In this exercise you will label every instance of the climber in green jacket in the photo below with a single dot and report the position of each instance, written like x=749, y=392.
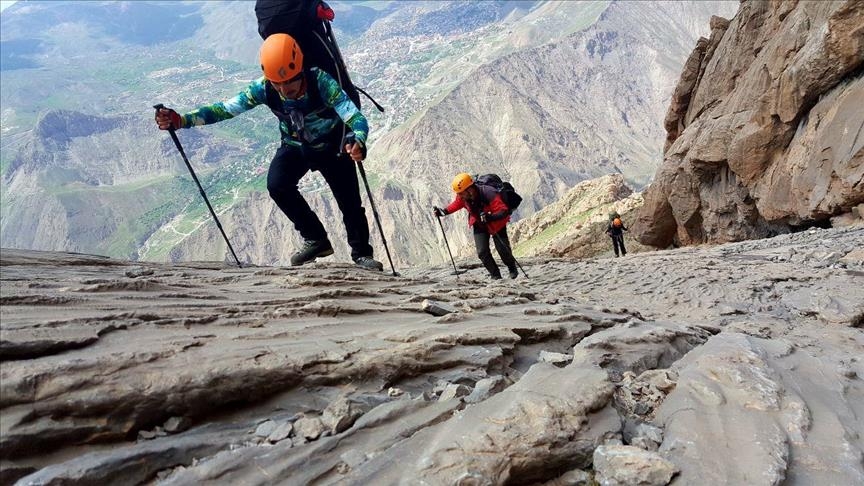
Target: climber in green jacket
x=312, y=110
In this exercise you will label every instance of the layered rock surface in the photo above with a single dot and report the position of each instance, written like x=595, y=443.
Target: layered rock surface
x=764, y=128
x=115, y=372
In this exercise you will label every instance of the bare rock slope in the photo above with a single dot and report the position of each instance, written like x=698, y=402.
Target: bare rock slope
x=764, y=128
x=575, y=226
x=739, y=363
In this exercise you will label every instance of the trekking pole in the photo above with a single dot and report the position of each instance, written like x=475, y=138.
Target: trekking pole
x=201, y=189
x=377, y=218
x=455, y=270
x=499, y=240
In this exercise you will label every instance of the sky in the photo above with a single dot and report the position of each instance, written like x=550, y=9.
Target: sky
x=5, y=3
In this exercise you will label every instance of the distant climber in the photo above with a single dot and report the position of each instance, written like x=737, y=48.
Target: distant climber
x=311, y=108
x=488, y=215
x=616, y=231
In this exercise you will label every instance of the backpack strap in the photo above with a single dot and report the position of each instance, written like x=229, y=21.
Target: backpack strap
x=274, y=102
x=294, y=118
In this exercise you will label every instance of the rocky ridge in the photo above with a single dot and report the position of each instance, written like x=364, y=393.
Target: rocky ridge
x=575, y=226
x=616, y=369
x=764, y=128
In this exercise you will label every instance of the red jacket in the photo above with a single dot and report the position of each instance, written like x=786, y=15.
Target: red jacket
x=496, y=205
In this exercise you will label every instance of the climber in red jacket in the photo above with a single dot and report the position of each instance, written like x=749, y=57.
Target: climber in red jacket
x=488, y=215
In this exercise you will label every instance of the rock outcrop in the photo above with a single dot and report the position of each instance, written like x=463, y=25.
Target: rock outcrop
x=575, y=226
x=764, y=131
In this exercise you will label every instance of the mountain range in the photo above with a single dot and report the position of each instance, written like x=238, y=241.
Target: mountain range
x=547, y=94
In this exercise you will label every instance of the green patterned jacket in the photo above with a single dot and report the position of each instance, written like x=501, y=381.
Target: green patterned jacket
x=317, y=126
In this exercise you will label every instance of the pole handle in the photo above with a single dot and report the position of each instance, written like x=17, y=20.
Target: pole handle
x=158, y=107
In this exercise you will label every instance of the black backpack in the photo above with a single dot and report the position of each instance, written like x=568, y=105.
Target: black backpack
x=308, y=22
x=508, y=194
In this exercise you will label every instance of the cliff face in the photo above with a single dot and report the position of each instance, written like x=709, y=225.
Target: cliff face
x=764, y=127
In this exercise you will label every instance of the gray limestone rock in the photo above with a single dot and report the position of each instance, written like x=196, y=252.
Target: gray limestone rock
x=232, y=349
x=138, y=463
x=780, y=414
x=554, y=358
x=642, y=435
x=576, y=477
x=486, y=388
x=437, y=308
x=281, y=432
x=454, y=391
x=265, y=428
x=552, y=418
x=341, y=414
x=139, y=272
x=176, y=424
x=621, y=465
x=309, y=427
x=661, y=379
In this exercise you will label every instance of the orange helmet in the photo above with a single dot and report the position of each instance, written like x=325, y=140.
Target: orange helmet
x=461, y=182
x=281, y=58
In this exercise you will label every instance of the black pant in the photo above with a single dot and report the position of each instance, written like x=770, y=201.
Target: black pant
x=502, y=245
x=290, y=164
x=618, y=242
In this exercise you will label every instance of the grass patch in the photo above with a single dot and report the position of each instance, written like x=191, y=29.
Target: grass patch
x=554, y=231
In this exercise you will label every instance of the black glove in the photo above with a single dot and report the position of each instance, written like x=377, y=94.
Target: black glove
x=484, y=217
x=438, y=211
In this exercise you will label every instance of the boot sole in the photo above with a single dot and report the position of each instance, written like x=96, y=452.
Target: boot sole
x=323, y=254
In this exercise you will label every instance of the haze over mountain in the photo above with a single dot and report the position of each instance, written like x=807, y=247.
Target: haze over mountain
x=545, y=93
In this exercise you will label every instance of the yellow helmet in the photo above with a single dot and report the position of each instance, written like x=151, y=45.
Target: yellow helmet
x=462, y=181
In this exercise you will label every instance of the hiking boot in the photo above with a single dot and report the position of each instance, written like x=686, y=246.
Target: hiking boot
x=369, y=263
x=311, y=250
x=495, y=276
x=514, y=272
